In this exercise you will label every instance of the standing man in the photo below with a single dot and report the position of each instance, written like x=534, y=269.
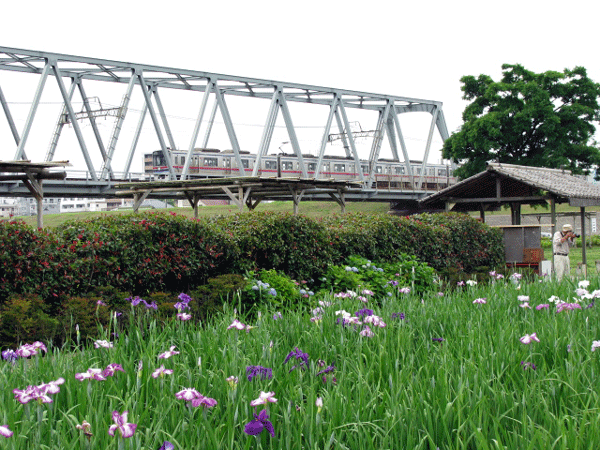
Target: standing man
x=561, y=244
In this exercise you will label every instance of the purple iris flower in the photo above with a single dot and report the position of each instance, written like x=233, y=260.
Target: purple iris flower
x=111, y=369
x=180, y=306
x=398, y=315
x=437, y=339
x=167, y=446
x=300, y=356
x=135, y=300
x=184, y=298
x=327, y=370
x=528, y=365
x=151, y=305
x=260, y=423
x=364, y=312
x=10, y=355
x=259, y=371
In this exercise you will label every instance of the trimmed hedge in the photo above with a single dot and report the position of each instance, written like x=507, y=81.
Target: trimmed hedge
x=146, y=253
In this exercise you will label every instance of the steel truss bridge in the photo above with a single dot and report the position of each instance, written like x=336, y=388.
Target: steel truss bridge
x=212, y=91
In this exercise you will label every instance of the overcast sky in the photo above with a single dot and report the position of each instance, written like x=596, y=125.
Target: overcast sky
x=412, y=49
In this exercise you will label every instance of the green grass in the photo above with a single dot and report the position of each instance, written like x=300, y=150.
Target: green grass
x=400, y=389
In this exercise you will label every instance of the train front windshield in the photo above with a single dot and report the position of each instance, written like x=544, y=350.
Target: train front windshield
x=158, y=159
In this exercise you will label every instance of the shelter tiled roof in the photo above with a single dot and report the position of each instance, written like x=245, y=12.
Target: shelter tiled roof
x=503, y=183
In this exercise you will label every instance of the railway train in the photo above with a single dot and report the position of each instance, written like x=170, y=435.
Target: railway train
x=208, y=162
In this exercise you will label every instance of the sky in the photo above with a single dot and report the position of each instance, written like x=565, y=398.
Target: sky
x=403, y=48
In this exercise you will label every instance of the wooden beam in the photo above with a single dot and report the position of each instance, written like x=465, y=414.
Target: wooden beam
x=498, y=199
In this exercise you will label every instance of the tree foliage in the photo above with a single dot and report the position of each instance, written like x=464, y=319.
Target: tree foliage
x=541, y=120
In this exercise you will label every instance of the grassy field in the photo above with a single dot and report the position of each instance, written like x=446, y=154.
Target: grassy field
x=447, y=373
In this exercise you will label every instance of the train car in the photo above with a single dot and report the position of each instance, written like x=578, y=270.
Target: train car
x=207, y=163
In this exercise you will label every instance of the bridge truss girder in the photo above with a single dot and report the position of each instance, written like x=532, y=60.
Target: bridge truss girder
x=154, y=79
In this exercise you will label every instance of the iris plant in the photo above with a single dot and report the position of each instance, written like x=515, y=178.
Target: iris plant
x=161, y=371
x=529, y=338
x=40, y=393
x=27, y=350
x=261, y=422
x=5, y=431
x=258, y=371
x=168, y=353
x=300, y=356
x=264, y=398
x=126, y=429
x=195, y=398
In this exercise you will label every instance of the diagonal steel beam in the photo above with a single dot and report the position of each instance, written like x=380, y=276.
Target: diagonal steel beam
x=11, y=122
x=332, y=112
x=71, y=113
x=186, y=167
x=134, y=142
x=211, y=121
x=95, y=129
x=228, y=125
x=60, y=123
x=351, y=141
x=267, y=133
x=147, y=93
x=291, y=132
x=32, y=110
x=432, y=126
x=163, y=117
x=118, y=126
x=403, y=147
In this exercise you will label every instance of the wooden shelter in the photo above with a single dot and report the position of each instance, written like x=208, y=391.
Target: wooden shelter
x=249, y=191
x=32, y=174
x=502, y=184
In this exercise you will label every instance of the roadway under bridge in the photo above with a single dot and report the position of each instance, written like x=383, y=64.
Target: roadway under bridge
x=107, y=156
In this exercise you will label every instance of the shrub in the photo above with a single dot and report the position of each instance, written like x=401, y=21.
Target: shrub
x=209, y=298
x=273, y=288
x=295, y=245
x=360, y=273
x=25, y=318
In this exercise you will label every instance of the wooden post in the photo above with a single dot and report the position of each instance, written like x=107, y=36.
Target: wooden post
x=583, y=249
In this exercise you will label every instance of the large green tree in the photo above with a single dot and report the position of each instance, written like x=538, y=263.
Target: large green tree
x=531, y=119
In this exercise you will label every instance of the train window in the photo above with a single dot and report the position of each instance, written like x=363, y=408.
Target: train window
x=400, y=170
x=182, y=160
x=226, y=162
x=326, y=167
x=245, y=163
x=339, y=167
x=312, y=167
x=270, y=164
x=365, y=169
x=432, y=171
x=287, y=165
x=416, y=170
x=442, y=173
x=378, y=169
x=211, y=162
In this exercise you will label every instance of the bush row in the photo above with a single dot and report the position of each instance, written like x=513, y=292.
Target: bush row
x=165, y=252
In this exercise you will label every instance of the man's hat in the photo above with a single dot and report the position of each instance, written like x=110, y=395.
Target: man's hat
x=567, y=227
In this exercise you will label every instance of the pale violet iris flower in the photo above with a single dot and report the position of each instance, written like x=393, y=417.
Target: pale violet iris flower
x=529, y=338
x=161, y=371
x=264, y=398
x=125, y=429
x=168, y=353
x=5, y=431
